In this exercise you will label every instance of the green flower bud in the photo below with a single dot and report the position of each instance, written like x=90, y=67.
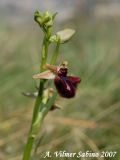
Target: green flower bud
x=49, y=24
x=38, y=17
x=46, y=17
x=53, y=38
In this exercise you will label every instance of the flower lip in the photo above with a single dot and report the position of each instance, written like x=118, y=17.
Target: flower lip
x=66, y=86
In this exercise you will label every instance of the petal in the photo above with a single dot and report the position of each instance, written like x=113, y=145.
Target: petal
x=52, y=68
x=44, y=75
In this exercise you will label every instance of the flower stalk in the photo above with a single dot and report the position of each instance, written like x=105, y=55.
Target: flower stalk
x=37, y=116
x=56, y=52
x=44, y=104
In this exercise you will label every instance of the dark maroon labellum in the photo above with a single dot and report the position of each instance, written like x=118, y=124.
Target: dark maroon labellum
x=66, y=85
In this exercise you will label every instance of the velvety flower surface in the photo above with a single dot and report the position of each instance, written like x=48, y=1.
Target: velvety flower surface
x=66, y=85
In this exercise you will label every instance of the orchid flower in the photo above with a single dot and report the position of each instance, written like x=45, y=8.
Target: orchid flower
x=65, y=85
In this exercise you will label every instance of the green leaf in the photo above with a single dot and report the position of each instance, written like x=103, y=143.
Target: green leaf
x=36, y=125
x=46, y=107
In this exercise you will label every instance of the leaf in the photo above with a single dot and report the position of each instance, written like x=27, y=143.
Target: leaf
x=36, y=125
x=65, y=35
x=46, y=107
x=41, y=114
x=44, y=75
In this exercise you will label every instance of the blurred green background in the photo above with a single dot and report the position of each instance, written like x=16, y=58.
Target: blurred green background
x=90, y=121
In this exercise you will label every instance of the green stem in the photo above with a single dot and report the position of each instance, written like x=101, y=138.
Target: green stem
x=44, y=53
x=56, y=52
x=36, y=126
x=32, y=135
x=31, y=138
x=28, y=148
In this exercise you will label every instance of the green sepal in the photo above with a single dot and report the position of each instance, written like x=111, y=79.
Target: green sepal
x=64, y=35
